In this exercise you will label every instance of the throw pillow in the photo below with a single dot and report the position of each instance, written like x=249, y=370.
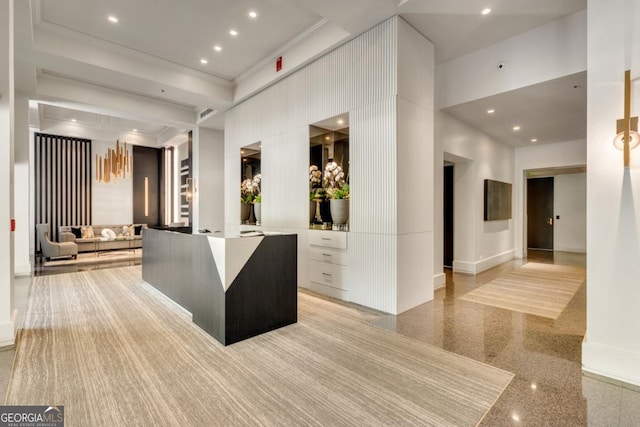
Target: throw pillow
x=138, y=230
x=87, y=232
x=127, y=231
x=77, y=231
x=108, y=234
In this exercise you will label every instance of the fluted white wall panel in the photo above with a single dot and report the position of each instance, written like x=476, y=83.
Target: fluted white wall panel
x=358, y=73
x=373, y=270
x=372, y=141
x=415, y=270
x=414, y=168
x=361, y=78
x=416, y=66
x=285, y=188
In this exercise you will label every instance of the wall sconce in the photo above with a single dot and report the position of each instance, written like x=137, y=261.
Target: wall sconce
x=627, y=137
x=191, y=189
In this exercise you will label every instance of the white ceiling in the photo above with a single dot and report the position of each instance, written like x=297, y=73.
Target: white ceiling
x=456, y=27
x=553, y=111
x=160, y=44
x=183, y=32
x=93, y=120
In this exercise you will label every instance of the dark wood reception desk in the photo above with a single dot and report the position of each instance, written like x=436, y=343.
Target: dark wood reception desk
x=234, y=287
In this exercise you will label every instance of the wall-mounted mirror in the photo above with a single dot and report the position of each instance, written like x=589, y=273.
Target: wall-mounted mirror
x=329, y=190
x=250, y=184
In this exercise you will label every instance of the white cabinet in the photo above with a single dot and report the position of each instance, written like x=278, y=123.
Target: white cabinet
x=328, y=263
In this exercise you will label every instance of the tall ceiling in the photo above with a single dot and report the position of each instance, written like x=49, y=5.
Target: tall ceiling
x=69, y=54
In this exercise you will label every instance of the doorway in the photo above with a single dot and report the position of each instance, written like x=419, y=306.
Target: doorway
x=448, y=216
x=540, y=213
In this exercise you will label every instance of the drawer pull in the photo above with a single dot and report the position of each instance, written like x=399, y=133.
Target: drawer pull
x=326, y=274
x=328, y=255
x=325, y=238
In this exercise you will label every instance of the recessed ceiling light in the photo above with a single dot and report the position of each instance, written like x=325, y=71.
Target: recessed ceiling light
x=253, y=14
x=340, y=122
x=204, y=61
x=327, y=138
x=217, y=48
x=516, y=128
x=135, y=130
x=73, y=120
x=491, y=111
x=534, y=386
x=534, y=139
x=233, y=32
x=113, y=19
x=486, y=11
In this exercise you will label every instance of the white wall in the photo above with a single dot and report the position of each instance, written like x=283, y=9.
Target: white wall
x=22, y=188
x=570, y=204
x=111, y=203
x=478, y=244
x=545, y=53
x=208, y=172
x=611, y=346
x=361, y=78
x=558, y=155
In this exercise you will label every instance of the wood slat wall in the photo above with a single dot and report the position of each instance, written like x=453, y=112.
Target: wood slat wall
x=63, y=171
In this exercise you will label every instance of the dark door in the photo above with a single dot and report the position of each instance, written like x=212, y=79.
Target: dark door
x=540, y=213
x=448, y=216
x=147, y=169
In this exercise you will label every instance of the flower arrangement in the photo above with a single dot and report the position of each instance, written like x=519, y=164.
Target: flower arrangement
x=333, y=178
x=250, y=189
x=316, y=193
x=339, y=193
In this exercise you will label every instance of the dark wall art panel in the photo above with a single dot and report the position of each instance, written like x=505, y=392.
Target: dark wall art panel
x=497, y=200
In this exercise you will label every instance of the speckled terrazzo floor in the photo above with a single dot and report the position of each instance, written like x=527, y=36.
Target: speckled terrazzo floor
x=549, y=388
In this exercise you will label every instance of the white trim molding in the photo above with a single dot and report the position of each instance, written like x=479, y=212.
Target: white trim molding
x=7, y=334
x=439, y=281
x=611, y=362
x=470, y=267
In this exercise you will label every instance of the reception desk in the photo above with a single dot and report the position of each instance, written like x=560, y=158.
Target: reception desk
x=234, y=287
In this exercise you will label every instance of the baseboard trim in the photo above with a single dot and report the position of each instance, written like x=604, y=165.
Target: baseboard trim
x=439, y=281
x=574, y=250
x=470, y=267
x=610, y=362
x=7, y=334
x=22, y=270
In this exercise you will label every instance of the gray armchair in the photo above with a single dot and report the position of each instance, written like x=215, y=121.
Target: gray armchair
x=53, y=249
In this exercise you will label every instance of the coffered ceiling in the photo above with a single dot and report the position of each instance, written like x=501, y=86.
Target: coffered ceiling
x=156, y=51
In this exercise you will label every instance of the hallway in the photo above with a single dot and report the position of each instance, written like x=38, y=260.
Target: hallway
x=545, y=355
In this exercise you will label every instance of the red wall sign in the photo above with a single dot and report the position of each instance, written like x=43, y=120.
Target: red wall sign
x=279, y=63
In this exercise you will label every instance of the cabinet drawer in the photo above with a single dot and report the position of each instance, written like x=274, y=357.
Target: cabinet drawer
x=333, y=256
x=328, y=274
x=328, y=239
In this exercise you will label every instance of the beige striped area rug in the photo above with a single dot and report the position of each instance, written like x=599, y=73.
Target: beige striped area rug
x=540, y=289
x=115, y=353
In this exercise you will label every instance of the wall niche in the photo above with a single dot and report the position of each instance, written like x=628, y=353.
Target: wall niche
x=250, y=184
x=329, y=190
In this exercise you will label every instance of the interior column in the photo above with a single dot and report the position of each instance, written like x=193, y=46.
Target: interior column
x=6, y=173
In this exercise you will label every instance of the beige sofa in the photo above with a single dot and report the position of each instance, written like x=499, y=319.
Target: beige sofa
x=98, y=242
